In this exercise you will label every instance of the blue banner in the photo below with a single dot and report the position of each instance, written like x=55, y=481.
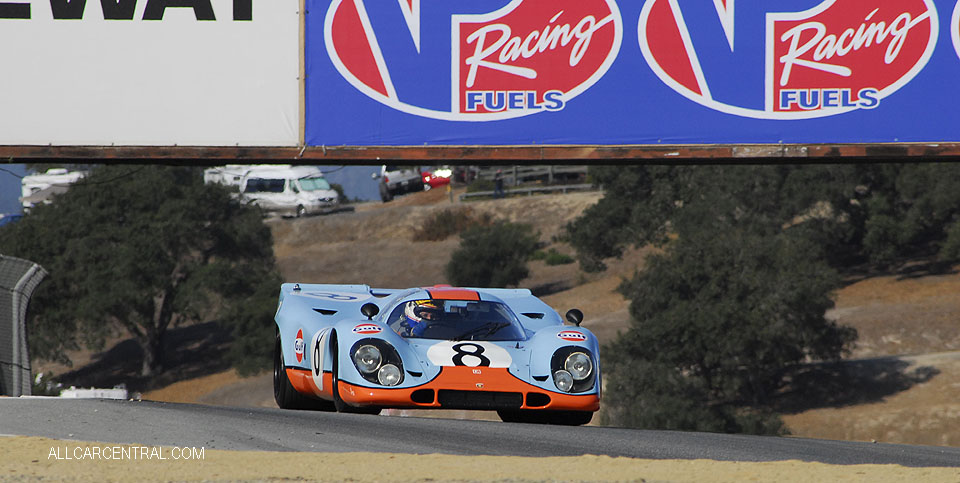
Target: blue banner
x=616, y=72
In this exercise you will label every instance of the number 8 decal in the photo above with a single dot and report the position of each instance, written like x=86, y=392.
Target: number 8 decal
x=469, y=354
x=476, y=354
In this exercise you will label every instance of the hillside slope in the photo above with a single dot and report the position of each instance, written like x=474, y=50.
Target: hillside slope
x=904, y=386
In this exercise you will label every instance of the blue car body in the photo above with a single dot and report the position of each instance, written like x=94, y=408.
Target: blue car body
x=494, y=349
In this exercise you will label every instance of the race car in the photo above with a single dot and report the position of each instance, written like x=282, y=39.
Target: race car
x=352, y=348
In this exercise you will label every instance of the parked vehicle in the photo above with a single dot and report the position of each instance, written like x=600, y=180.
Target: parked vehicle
x=395, y=180
x=229, y=175
x=289, y=190
x=436, y=177
x=40, y=188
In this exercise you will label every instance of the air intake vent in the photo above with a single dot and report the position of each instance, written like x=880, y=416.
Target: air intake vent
x=325, y=311
x=479, y=399
x=533, y=315
x=537, y=400
x=422, y=396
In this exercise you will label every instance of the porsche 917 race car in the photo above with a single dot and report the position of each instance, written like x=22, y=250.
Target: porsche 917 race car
x=351, y=348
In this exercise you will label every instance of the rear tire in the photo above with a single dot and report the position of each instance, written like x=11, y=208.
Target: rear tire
x=283, y=392
x=385, y=194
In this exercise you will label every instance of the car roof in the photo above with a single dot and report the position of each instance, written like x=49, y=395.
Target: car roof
x=285, y=172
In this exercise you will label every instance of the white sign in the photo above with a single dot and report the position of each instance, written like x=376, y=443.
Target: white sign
x=150, y=72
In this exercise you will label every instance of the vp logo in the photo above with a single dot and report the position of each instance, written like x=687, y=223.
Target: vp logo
x=787, y=59
x=477, y=60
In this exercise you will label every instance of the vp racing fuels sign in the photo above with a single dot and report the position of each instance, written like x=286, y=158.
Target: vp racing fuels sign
x=522, y=58
x=613, y=72
x=837, y=56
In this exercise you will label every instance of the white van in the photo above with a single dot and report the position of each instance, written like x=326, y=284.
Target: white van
x=41, y=188
x=289, y=190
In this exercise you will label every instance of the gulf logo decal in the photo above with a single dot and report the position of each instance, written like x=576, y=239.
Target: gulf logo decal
x=367, y=329
x=572, y=336
x=298, y=345
x=481, y=60
x=790, y=59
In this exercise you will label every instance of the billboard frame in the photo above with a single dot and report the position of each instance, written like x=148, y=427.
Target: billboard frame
x=373, y=155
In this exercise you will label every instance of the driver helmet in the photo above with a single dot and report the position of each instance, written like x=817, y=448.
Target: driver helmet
x=417, y=310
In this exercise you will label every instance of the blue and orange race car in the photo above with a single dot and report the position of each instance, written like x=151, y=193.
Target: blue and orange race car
x=352, y=348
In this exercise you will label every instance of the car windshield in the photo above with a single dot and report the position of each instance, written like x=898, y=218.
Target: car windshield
x=314, y=184
x=455, y=320
x=264, y=185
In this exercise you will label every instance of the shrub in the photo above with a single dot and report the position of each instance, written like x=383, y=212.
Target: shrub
x=552, y=257
x=492, y=256
x=449, y=222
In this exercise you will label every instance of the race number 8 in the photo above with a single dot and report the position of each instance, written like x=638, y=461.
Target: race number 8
x=477, y=353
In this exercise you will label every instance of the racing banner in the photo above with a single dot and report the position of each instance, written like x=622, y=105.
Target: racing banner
x=150, y=72
x=618, y=72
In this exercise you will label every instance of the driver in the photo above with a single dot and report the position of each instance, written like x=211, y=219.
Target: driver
x=417, y=316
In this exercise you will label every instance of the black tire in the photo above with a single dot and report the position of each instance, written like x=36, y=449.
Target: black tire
x=385, y=194
x=561, y=418
x=283, y=392
x=341, y=405
x=301, y=211
x=570, y=418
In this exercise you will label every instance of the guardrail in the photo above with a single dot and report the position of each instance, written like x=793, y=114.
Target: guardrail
x=530, y=191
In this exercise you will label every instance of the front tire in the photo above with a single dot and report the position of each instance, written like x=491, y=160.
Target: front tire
x=283, y=392
x=338, y=403
x=560, y=418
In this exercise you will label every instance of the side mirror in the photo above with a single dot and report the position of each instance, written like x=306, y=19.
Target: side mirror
x=575, y=317
x=369, y=310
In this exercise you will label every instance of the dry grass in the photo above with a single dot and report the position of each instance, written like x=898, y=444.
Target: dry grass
x=894, y=316
x=897, y=316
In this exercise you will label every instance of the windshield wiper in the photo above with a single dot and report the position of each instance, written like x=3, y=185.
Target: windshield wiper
x=487, y=329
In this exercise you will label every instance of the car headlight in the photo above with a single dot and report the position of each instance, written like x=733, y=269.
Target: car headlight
x=578, y=365
x=367, y=358
x=563, y=380
x=389, y=375
x=377, y=361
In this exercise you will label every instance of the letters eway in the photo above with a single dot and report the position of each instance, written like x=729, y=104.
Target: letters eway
x=124, y=9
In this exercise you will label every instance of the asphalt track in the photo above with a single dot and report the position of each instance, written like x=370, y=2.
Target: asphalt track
x=168, y=424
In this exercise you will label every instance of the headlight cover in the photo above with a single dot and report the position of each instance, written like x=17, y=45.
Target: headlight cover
x=377, y=361
x=563, y=380
x=574, y=362
x=389, y=375
x=578, y=365
x=367, y=358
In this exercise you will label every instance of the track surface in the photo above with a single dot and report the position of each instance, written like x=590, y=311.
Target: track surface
x=167, y=424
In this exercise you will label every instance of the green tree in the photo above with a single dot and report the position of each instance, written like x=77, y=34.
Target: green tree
x=734, y=311
x=492, y=256
x=738, y=295
x=145, y=249
x=875, y=214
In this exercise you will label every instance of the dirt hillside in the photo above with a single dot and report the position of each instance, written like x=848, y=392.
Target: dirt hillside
x=905, y=380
